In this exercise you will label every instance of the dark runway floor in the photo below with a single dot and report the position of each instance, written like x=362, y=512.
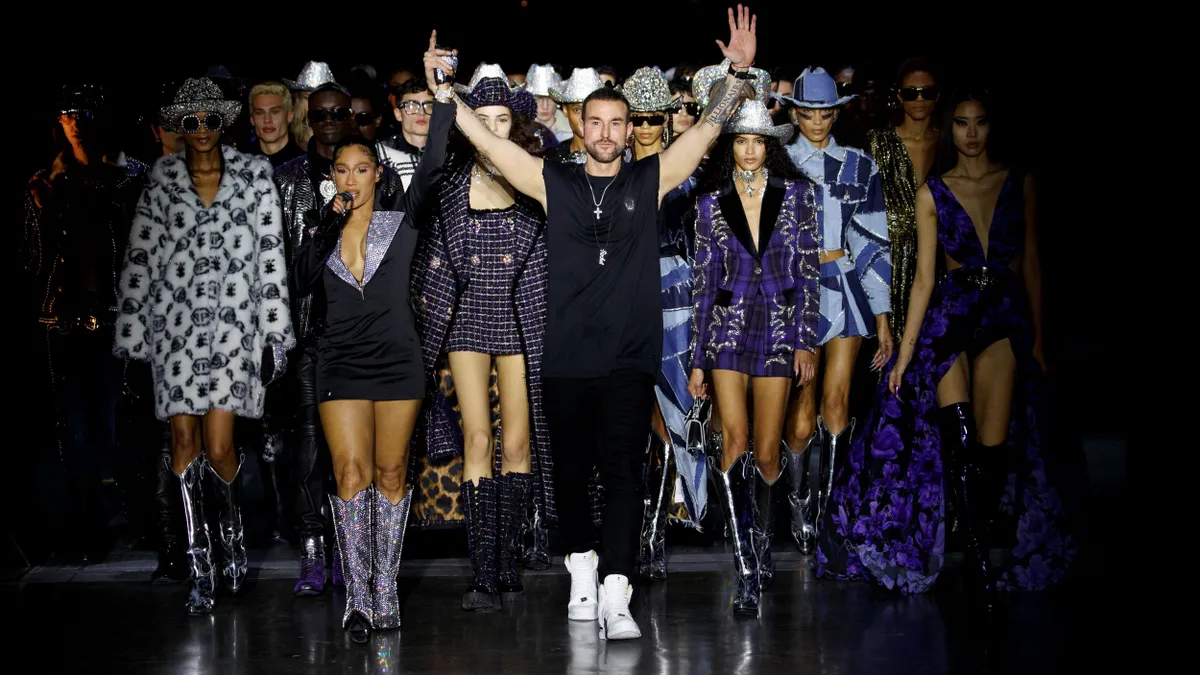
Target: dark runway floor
x=805, y=626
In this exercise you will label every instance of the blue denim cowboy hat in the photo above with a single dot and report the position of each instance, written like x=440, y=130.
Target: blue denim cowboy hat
x=814, y=88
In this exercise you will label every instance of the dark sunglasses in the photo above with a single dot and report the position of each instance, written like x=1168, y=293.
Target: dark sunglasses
x=929, y=93
x=364, y=119
x=652, y=120
x=691, y=108
x=414, y=107
x=192, y=124
x=316, y=116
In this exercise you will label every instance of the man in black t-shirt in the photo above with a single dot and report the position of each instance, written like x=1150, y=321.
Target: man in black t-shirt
x=604, y=322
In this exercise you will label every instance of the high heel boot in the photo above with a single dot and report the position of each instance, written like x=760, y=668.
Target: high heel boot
x=200, y=599
x=172, y=556
x=802, y=501
x=233, y=536
x=652, y=562
x=968, y=485
x=391, y=521
x=354, y=528
x=735, y=488
x=479, y=506
x=832, y=447
x=766, y=495
x=512, y=504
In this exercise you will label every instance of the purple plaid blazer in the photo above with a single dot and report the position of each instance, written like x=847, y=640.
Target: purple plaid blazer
x=730, y=273
x=440, y=267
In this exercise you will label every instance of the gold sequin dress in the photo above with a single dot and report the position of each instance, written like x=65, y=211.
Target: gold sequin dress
x=899, y=182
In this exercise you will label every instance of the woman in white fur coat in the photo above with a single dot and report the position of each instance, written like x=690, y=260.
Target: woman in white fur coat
x=203, y=298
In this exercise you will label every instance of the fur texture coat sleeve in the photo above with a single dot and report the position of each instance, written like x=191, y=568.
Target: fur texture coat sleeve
x=204, y=288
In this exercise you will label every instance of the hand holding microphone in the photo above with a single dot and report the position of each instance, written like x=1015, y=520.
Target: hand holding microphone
x=342, y=203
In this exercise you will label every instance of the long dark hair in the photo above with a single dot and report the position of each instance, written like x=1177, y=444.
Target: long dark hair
x=947, y=156
x=720, y=167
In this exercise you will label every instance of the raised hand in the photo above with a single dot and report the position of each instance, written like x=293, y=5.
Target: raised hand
x=743, y=44
x=434, y=60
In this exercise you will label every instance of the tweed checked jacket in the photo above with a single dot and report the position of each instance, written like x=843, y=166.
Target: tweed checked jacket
x=441, y=272
x=297, y=197
x=731, y=274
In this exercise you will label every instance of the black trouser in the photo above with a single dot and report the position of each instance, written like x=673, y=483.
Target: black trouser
x=86, y=382
x=312, y=464
x=601, y=423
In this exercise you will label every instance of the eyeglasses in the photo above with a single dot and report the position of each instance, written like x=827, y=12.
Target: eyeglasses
x=652, y=120
x=414, y=107
x=318, y=115
x=690, y=107
x=928, y=93
x=192, y=124
x=364, y=119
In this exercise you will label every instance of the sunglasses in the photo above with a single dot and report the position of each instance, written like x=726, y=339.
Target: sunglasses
x=414, y=107
x=691, y=108
x=652, y=120
x=364, y=119
x=316, y=116
x=192, y=124
x=929, y=93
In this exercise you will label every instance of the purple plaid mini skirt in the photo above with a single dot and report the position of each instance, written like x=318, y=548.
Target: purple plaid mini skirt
x=753, y=359
x=485, y=320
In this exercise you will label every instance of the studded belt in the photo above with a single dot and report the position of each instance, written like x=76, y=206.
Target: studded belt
x=70, y=323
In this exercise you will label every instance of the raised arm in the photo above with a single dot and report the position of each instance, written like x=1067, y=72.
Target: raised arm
x=685, y=154
x=522, y=170
x=433, y=161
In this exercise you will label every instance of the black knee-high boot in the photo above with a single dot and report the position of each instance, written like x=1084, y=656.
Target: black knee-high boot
x=512, y=508
x=968, y=484
x=168, y=514
x=766, y=495
x=479, y=506
x=652, y=563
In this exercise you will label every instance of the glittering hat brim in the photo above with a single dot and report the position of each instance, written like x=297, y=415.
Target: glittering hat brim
x=569, y=96
x=781, y=131
x=706, y=77
x=169, y=116
x=814, y=105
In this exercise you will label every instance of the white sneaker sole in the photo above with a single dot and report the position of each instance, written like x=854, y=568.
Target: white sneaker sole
x=583, y=613
x=628, y=634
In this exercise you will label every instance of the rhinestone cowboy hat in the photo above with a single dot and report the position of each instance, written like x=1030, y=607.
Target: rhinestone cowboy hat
x=752, y=117
x=647, y=90
x=539, y=79
x=489, y=86
x=80, y=98
x=706, y=77
x=196, y=95
x=582, y=82
x=815, y=89
x=313, y=75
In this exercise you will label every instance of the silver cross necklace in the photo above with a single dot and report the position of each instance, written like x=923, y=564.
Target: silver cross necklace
x=598, y=212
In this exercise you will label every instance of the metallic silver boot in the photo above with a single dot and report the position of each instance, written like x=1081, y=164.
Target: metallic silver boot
x=652, y=563
x=801, y=493
x=353, y=527
x=766, y=495
x=831, y=448
x=233, y=540
x=391, y=521
x=199, y=552
x=736, y=490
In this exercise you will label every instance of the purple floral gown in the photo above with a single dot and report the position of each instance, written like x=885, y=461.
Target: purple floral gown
x=886, y=521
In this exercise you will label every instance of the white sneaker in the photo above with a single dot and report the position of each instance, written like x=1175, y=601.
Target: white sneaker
x=584, y=601
x=616, y=621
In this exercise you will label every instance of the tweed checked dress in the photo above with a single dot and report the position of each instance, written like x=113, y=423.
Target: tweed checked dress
x=485, y=320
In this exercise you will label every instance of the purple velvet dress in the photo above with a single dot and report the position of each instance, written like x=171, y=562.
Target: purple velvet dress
x=886, y=520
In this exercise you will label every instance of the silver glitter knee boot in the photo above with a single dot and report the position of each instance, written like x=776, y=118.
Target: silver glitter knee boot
x=391, y=520
x=353, y=527
x=199, y=551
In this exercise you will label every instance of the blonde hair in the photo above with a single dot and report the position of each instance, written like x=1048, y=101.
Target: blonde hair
x=272, y=89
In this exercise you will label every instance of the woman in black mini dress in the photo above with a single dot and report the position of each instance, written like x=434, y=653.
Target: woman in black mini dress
x=370, y=378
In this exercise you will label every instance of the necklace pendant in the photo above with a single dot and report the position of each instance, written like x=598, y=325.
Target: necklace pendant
x=597, y=212
x=603, y=253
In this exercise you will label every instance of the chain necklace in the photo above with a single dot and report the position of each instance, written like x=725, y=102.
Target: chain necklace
x=747, y=180
x=598, y=212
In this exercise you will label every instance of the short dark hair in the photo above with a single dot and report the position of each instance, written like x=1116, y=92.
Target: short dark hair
x=356, y=140
x=917, y=64
x=413, y=85
x=605, y=94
